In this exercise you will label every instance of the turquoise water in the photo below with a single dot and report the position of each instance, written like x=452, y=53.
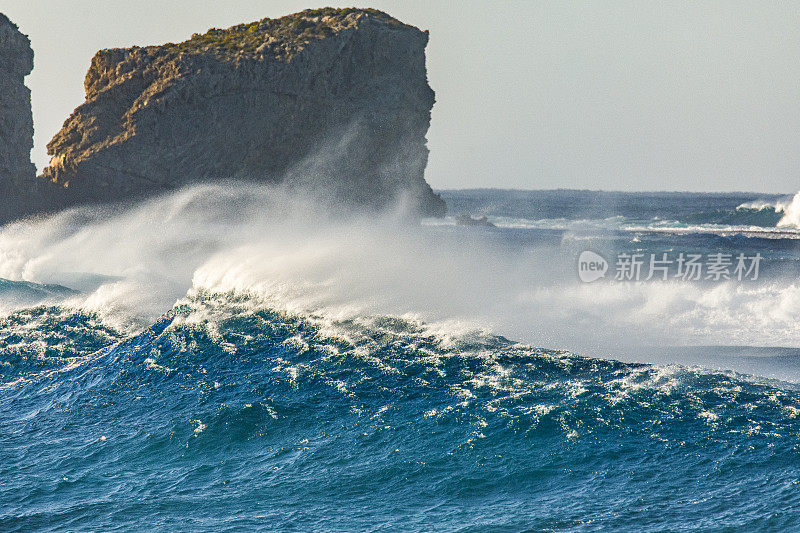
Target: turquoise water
x=233, y=411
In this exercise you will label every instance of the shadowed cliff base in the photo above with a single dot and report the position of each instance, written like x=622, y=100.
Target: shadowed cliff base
x=335, y=100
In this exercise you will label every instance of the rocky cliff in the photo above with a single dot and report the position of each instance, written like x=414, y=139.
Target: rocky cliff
x=16, y=120
x=334, y=99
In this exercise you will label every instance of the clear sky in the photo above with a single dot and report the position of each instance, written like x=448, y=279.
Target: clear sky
x=599, y=95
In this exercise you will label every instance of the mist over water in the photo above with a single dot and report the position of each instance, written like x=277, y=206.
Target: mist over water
x=131, y=264
x=237, y=357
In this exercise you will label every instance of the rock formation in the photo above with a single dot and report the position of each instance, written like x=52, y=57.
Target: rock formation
x=16, y=120
x=335, y=99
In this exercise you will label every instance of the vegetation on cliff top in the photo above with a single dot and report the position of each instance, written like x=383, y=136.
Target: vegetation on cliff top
x=283, y=36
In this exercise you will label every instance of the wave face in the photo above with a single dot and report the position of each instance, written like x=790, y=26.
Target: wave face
x=766, y=217
x=229, y=414
x=230, y=358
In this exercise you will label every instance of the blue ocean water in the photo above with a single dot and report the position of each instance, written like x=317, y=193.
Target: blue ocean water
x=276, y=389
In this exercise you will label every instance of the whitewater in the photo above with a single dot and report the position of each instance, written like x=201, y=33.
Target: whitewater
x=231, y=357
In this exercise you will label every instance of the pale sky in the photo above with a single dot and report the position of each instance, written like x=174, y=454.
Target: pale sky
x=600, y=95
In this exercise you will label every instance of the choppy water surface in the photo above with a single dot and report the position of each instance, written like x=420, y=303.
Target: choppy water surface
x=210, y=374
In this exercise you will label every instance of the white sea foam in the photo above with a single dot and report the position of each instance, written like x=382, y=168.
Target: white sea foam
x=788, y=205
x=133, y=264
x=588, y=228
x=791, y=213
x=778, y=205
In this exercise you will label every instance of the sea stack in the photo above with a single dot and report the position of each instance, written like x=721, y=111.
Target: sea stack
x=16, y=121
x=332, y=99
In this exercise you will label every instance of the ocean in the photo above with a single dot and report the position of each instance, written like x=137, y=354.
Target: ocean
x=232, y=358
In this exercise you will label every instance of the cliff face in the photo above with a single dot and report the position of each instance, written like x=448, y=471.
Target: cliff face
x=16, y=120
x=335, y=99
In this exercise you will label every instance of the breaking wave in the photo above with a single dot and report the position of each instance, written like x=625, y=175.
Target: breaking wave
x=788, y=208
x=233, y=414
x=233, y=358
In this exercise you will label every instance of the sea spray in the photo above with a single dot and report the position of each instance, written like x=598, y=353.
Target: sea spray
x=132, y=264
x=238, y=357
x=791, y=213
x=788, y=207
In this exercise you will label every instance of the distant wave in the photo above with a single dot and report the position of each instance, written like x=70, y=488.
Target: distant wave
x=18, y=294
x=751, y=223
x=778, y=205
x=791, y=213
x=629, y=211
x=763, y=217
x=788, y=208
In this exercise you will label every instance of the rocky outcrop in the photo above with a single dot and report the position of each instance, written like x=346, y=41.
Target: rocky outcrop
x=333, y=99
x=16, y=120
